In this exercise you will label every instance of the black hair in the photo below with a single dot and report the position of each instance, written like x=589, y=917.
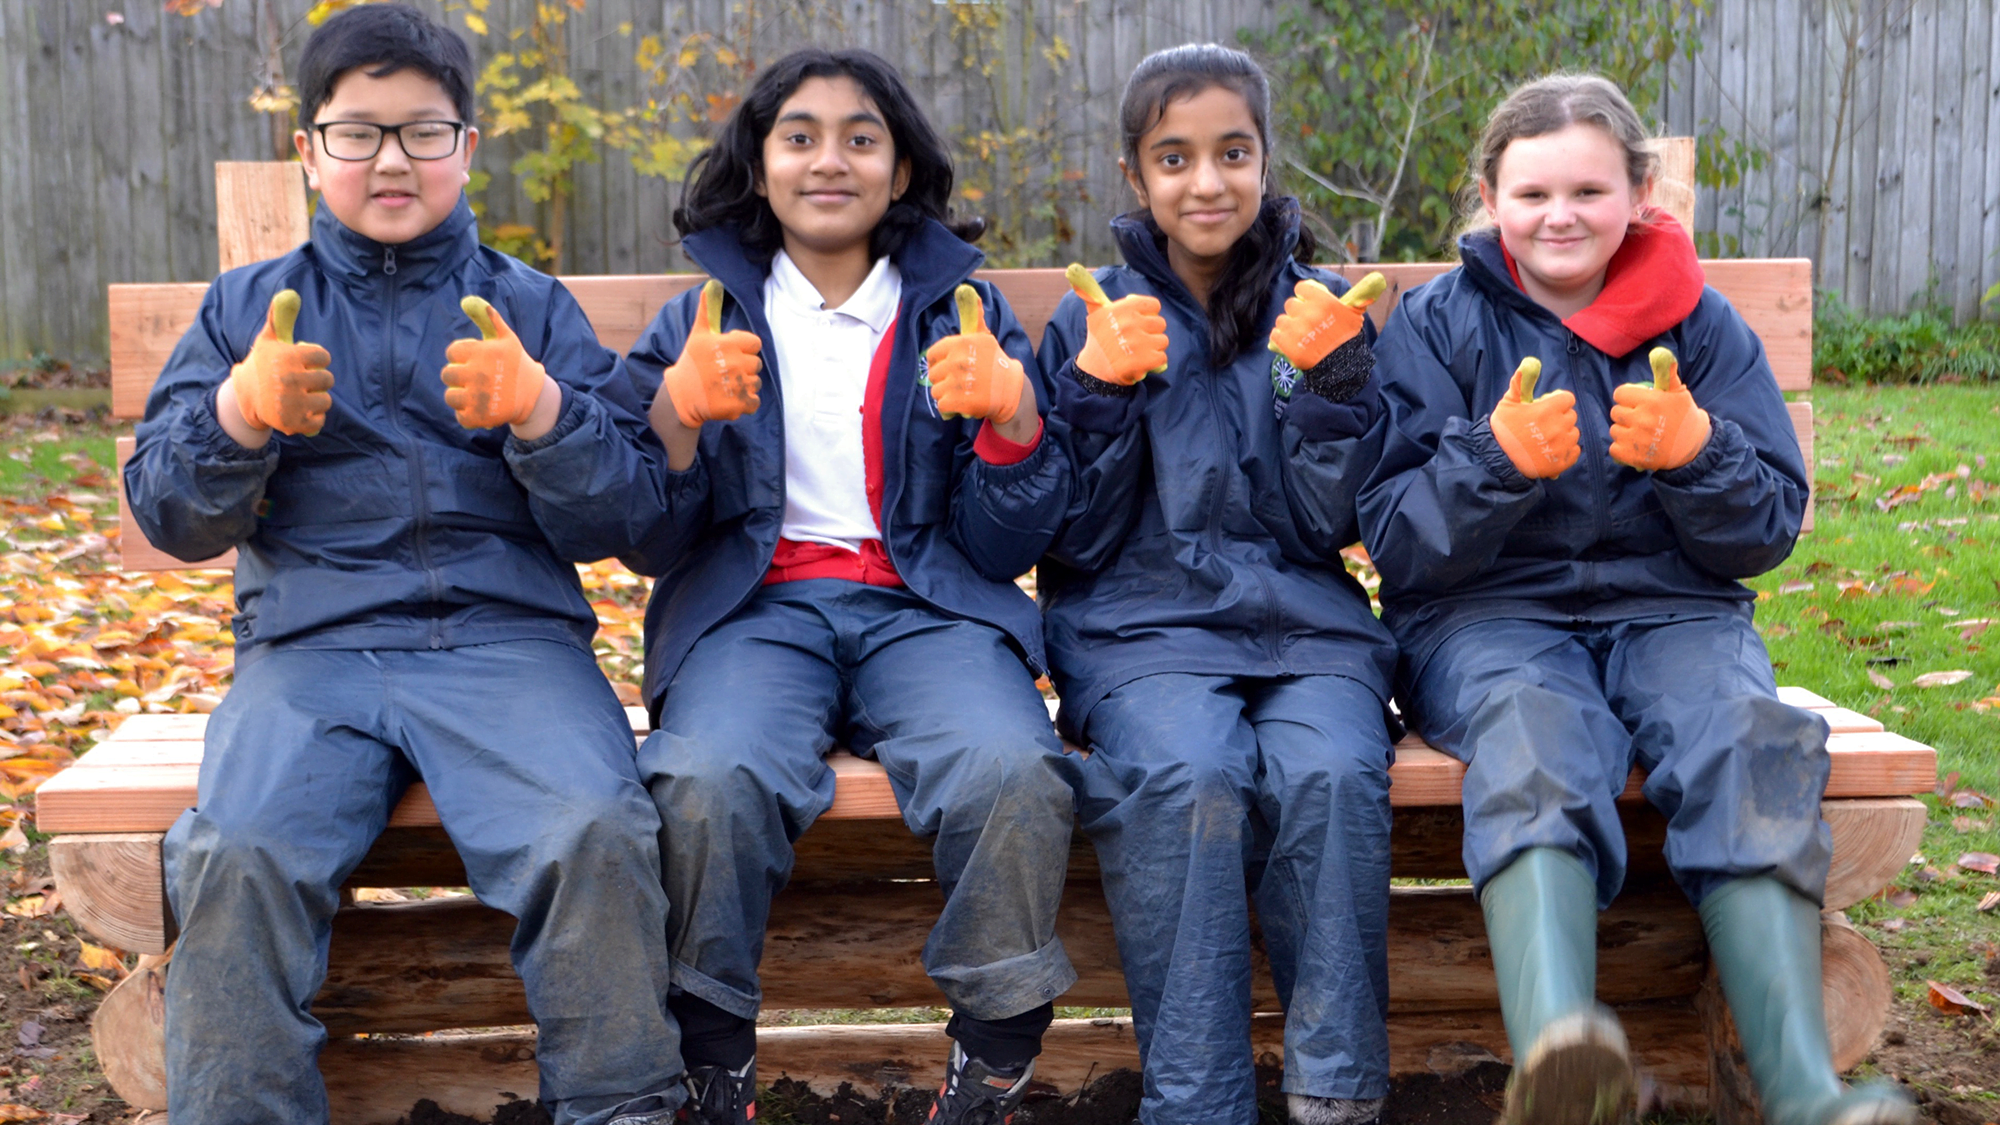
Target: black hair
x=1237, y=303
x=392, y=37
x=720, y=188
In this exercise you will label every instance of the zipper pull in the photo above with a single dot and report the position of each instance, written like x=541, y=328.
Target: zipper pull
x=1575, y=345
x=389, y=264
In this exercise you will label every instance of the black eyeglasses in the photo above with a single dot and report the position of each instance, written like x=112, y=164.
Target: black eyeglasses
x=361, y=140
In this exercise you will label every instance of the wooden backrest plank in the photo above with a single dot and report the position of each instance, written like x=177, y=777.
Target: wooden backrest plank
x=260, y=210
x=1774, y=296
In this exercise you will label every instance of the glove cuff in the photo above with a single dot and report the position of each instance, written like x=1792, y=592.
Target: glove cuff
x=1096, y=386
x=1344, y=371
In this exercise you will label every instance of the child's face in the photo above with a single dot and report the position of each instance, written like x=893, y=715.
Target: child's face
x=1201, y=173
x=1562, y=202
x=390, y=198
x=830, y=168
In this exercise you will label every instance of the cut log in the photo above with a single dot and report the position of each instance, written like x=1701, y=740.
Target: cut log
x=128, y=1034
x=443, y=963
x=1873, y=839
x=1857, y=994
x=374, y=1081
x=112, y=885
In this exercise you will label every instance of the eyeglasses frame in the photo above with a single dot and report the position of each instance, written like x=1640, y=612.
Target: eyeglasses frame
x=457, y=138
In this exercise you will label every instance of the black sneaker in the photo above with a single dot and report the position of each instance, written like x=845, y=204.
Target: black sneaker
x=720, y=1096
x=976, y=1094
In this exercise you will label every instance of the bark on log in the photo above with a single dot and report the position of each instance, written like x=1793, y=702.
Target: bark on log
x=374, y=1081
x=111, y=881
x=419, y=966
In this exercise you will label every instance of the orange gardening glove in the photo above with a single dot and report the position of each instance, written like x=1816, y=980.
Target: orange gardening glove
x=1315, y=322
x=1659, y=426
x=715, y=379
x=493, y=380
x=969, y=373
x=282, y=385
x=1127, y=337
x=1320, y=335
x=1538, y=434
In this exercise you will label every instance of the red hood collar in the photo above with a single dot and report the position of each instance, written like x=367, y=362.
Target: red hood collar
x=1651, y=284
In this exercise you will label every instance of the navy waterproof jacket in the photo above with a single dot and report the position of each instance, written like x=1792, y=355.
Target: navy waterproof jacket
x=395, y=527
x=1460, y=536
x=957, y=528
x=1210, y=512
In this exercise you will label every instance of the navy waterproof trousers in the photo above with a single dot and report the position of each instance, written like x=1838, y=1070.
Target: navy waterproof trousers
x=951, y=712
x=1202, y=792
x=1550, y=718
x=529, y=760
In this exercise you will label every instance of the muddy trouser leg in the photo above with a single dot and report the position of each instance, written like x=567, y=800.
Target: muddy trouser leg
x=1523, y=705
x=951, y=712
x=1323, y=897
x=296, y=783
x=737, y=774
x=1738, y=774
x=529, y=759
x=1170, y=800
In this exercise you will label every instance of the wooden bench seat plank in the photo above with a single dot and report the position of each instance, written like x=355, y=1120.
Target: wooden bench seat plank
x=141, y=777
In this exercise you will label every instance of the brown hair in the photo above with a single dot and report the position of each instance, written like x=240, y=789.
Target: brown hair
x=1551, y=104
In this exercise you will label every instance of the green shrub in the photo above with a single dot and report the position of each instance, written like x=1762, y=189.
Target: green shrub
x=1922, y=346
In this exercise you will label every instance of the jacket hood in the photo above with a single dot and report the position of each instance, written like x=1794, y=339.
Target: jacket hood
x=1652, y=283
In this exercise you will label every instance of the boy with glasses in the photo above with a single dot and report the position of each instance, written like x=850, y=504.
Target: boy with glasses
x=452, y=437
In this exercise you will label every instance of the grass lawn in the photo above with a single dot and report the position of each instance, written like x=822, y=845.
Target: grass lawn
x=1894, y=589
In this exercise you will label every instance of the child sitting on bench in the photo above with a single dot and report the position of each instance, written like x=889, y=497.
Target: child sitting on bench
x=407, y=607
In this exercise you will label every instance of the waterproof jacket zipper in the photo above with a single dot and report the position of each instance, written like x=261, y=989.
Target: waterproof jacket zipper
x=420, y=497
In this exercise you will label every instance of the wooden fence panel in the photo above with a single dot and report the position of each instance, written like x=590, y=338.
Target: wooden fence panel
x=111, y=121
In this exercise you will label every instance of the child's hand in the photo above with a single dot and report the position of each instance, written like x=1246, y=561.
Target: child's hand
x=715, y=379
x=1127, y=337
x=1538, y=434
x=1320, y=335
x=492, y=380
x=1315, y=322
x=969, y=373
x=1659, y=426
x=282, y=385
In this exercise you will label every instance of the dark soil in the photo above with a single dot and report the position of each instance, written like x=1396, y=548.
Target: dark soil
x=45, y=1005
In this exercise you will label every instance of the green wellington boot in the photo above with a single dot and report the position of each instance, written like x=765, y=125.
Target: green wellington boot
x=1765, y=939
x=1571, y=1064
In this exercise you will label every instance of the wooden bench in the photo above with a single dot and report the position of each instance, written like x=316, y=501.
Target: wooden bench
x=408, y=979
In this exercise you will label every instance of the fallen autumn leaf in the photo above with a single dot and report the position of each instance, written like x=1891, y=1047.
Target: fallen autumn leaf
x=1952, y=1002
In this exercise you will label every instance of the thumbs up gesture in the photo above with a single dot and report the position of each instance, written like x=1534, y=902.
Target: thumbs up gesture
x=1320, y=335
x=1657, y=426
x=1539, y=435
x=1127, y=337
x=969, y=373
x=715, y=379
x=493, y=380
x=282, y=385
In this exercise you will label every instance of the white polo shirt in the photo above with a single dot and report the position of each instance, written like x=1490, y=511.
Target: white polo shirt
x=822, y=362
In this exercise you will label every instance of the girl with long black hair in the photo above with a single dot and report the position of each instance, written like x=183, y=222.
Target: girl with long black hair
x=1209, y=646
